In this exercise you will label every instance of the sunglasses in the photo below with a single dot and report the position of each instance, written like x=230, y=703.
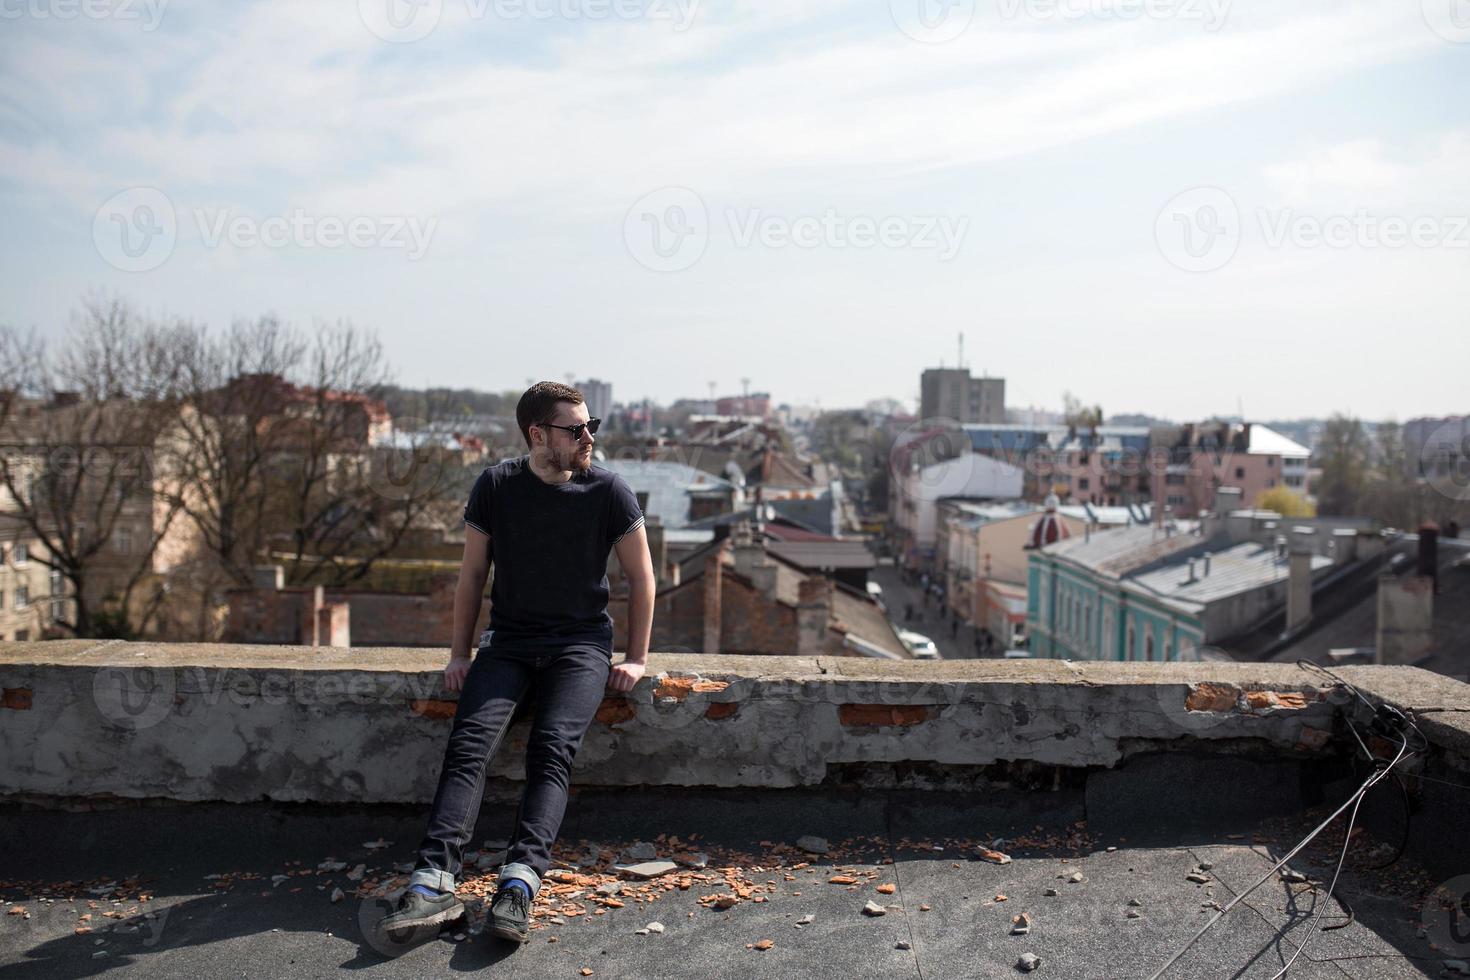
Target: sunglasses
x=576, y=430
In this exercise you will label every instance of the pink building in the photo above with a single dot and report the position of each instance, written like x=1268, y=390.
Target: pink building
x=1251, y=456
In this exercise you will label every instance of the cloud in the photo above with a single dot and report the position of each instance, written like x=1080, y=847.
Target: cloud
x=1370, y=173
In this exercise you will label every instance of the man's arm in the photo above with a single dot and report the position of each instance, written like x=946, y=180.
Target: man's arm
x=638, y=569
x=470, y=593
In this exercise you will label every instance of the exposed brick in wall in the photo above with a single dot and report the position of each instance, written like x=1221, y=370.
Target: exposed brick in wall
x=882, y=714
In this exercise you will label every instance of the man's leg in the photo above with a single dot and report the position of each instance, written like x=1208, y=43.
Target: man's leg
x=492, y=688
x=570, y=686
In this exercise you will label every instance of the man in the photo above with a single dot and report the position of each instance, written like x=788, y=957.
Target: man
x=548, y=520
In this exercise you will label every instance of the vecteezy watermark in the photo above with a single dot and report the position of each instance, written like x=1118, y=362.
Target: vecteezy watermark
x=404, y=21
x=148, y=12
x=1444, y=460
x=300, y=229
x=1450, y=19
x=1362, y=229
x=138, y=698
x=932, y=459
x=136, y=230
x=134, y=698
x=932, y=21
x=938, y=21
x=1211, y=14
x=1199, y=229
x=1445, y=917
x=669, y=229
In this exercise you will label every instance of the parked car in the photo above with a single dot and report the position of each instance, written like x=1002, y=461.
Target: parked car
x=919, y=645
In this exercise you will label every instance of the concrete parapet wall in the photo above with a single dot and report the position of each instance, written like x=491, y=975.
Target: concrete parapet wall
x=240, y=723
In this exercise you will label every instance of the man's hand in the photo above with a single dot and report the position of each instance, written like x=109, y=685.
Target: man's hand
x=624, y=676
x=459, y=665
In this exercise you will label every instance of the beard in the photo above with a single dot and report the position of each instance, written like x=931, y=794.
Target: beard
x=577, y=461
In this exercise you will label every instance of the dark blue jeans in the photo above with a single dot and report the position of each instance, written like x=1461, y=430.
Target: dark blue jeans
x=567, y=683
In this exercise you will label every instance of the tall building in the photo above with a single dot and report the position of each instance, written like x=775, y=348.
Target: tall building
x=598, y=395
x=952, y=394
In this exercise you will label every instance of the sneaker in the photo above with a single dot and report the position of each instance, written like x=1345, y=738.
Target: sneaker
x=510, y=913
x=416, y=910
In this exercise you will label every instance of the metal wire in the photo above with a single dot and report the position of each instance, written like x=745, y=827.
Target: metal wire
x=1380, y=772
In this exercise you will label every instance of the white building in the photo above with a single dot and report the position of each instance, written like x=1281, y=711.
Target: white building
x=920, y=489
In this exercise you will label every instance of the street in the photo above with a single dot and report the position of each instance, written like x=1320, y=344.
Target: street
x=928, y=621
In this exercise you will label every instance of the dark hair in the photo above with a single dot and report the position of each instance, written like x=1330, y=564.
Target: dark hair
x=538, y=404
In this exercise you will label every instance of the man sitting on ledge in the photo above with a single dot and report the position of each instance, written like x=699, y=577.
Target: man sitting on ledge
x=548, y=520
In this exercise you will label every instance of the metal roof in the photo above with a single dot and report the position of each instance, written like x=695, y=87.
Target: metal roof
x=1242, y=568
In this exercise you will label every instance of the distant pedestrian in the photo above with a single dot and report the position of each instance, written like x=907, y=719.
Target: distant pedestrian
x=954, y=628
x=908, y=612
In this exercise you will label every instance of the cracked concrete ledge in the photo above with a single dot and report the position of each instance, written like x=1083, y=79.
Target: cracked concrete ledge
x=237, y=723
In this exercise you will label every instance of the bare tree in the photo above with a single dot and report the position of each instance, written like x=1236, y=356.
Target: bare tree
x=285, y=450
x=80, y=430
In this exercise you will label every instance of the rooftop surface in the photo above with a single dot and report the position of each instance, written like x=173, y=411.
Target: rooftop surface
x=212, y=890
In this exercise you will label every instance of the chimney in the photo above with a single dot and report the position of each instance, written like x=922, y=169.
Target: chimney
x=1227, y=499
x=1405, y=618
x=752, y=562
x=1192, y=576
x=1428, y=565
x=1208, y=556
x=1299, y=588
x=813, y=615
x=713, y=594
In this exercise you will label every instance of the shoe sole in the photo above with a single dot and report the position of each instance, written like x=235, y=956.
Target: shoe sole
x=510, y=933
x=449, y=914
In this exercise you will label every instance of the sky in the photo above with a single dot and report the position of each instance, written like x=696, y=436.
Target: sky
x=1175, y=207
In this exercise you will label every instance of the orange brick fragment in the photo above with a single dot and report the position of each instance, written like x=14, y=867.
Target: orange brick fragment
x=1211, y=697
x=438, y=709
x=615, y=711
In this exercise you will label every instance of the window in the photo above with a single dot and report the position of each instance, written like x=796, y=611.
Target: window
x=22, y=596
x=1240, y=472
x=22, y=554
x=58, y=592
x=22, y=635
x=1131, y=652
x=1082, y=483
x=122, y=540
x=1148, y=646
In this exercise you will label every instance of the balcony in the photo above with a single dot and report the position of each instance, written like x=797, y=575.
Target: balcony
x=231, y=805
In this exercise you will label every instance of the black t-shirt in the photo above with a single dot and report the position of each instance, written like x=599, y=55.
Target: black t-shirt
x=549, y=544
